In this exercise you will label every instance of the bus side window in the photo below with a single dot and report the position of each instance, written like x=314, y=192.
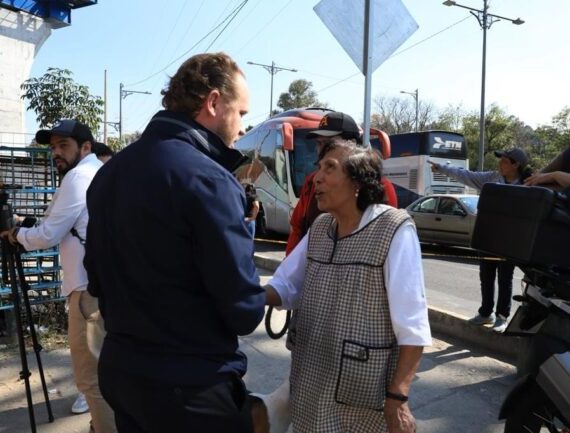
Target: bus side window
x=267, y=150
x=281, y=168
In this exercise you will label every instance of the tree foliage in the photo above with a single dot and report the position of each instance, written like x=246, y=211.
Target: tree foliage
x=55, y=95
x=116, y=145
x=300, y=94
x=502, y=130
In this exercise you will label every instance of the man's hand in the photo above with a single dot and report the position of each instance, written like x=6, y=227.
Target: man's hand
x=10, y=235
x=434, y=166
x=398, y=416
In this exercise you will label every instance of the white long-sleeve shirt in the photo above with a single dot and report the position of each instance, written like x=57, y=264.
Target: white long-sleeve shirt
x=403, y=275
x=67, y=210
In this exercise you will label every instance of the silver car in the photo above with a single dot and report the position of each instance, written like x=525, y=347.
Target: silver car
x=445, y=218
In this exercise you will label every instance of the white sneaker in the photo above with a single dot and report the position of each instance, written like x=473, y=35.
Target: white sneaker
x=500, y=324
x=80, y=405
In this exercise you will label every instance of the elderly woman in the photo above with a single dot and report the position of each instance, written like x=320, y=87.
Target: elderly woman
x=356, y=280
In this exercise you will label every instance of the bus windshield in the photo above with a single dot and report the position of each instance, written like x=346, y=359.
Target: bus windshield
x=446, y=145
x=304, y=158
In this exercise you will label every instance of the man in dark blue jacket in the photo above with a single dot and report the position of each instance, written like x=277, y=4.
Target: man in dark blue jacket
x=170, y=258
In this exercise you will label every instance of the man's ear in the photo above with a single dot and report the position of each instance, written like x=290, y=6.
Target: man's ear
x=211, y=102
x=87, y=146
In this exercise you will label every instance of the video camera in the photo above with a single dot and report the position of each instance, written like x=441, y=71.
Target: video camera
x=6, y=221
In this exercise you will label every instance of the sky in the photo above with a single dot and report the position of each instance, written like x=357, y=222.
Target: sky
x=141, y=45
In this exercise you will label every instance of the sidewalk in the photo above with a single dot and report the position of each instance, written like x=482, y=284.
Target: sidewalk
x=457, y=389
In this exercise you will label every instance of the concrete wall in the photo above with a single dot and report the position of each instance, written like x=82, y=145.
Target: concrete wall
x=21, y=37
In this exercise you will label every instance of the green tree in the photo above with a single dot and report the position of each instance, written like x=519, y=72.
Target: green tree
x=55, y=95
x=300, y=94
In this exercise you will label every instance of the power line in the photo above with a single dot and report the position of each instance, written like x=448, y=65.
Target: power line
x=398, y=53
x=265, y=26
x=238, y=8
x=429, y=37
x=165, y=44
x=194, y=15
x=226, y=26
x=241, y=22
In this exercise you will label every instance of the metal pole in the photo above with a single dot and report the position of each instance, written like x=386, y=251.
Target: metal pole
x=368, y=41
x=272, y=69
x=482, y=114
x=271, y=95
x=417, y=110
x=105, y=109
x=120, y=112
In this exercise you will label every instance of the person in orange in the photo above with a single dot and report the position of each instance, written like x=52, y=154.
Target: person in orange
x=335, y=124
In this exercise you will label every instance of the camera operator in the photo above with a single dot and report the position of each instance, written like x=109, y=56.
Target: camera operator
x=65, y=223
x=512, y=169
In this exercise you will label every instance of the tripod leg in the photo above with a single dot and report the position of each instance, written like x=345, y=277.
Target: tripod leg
x=8, y=268
x=24, y=287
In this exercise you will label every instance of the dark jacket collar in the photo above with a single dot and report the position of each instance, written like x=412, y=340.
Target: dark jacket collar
x=178, y=125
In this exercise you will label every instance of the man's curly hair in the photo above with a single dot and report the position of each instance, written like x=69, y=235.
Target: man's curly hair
x=196, y=78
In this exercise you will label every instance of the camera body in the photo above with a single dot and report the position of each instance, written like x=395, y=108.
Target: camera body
x=6, y=221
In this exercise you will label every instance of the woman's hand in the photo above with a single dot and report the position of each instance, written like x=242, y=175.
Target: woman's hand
x=398, y=416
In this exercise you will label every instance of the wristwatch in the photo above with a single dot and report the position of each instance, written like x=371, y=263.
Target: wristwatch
x=396, y=396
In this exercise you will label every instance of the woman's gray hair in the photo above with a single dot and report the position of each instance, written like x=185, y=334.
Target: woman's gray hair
x=364, y=166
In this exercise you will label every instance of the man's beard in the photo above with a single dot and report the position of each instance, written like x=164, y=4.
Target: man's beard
x=68, y=166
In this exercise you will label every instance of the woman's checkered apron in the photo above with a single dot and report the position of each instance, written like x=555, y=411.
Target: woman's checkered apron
x=345, y=350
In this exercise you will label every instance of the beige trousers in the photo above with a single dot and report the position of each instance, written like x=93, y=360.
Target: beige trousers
x=84, y=310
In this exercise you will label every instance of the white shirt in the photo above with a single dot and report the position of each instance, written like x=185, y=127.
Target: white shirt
x=403, y=275
x=67, y=209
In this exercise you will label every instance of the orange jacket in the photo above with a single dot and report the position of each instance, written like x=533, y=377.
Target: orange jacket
x=306, y=210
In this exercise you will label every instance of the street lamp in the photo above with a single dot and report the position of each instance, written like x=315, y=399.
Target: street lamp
x=485, y=20
x=415, y=95
x=272, y=69
x=122, y=95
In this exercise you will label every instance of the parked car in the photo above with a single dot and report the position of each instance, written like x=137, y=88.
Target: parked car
x=445, y=218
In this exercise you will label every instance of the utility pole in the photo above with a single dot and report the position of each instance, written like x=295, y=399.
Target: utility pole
x=415, y=95
x=122, y=95
x=105, y=107
x=272, y=69
x=485, y=20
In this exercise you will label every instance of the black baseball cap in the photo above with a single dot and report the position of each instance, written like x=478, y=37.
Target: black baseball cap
x=516, y=154
x=336, y=123
x=67, y=128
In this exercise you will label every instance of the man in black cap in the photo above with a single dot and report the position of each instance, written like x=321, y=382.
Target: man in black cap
x=512, y=169
x=65, y=223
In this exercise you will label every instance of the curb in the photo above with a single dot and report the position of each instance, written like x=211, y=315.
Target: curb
x=446, y=323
